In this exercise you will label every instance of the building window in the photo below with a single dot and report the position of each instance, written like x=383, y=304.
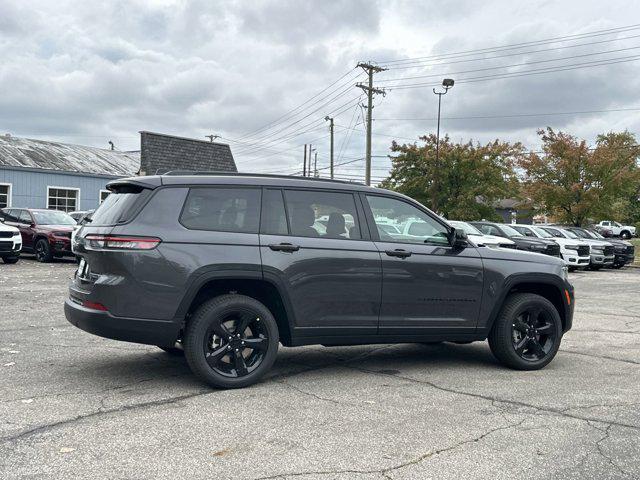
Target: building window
x=65, y=199
x=5, y=195
x=103, y=195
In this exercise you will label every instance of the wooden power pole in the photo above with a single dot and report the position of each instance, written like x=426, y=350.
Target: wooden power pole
x=370, y=91
x=331, y=132
x=304, y=165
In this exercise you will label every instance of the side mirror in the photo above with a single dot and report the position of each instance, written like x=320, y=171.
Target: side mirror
x=458, y=239
x=1, y=219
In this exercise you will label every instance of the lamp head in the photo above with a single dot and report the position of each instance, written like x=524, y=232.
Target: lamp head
x=447, y=82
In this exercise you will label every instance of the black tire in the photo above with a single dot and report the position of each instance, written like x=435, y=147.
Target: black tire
x=595, y=268
x=618, y=266
x=204, y=341
x=625, y=234
x=42, y=251
x=508, y=332
x=10, y=260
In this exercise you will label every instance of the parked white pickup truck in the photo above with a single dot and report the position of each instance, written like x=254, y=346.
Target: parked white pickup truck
x=619, y=230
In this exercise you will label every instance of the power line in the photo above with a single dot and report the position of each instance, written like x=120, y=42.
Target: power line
x=513, y=46
x=512, y=65
x=524, y=73
x=514, y=115
x=484, y=58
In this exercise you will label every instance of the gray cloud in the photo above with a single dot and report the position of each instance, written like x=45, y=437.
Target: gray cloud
x=86, y=72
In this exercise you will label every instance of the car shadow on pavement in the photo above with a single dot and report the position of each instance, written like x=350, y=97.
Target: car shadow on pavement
x=158, y=370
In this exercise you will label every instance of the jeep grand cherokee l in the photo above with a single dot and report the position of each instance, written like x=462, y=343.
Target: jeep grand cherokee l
x=230, y=266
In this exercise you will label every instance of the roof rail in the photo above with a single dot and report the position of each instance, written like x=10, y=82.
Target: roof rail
x=172, y=173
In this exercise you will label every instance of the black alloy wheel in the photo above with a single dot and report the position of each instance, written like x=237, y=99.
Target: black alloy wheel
x=235, y=345
x=527, y=333
x=533, y=334
x=43, y=251
x=231, y=341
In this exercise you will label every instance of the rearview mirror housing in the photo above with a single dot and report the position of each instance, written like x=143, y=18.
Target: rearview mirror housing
x=458, y=239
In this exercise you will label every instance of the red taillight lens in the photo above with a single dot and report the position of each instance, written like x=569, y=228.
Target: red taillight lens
x=115, y=242
x=94, y=305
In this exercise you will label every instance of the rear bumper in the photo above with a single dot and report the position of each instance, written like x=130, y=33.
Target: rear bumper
x=137, y=330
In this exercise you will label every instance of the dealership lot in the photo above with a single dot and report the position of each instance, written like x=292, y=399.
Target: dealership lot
x=73, y=405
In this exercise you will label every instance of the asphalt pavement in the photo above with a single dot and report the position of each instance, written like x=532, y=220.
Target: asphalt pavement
x=73, y=405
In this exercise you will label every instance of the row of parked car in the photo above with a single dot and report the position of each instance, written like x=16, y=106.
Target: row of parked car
x=44, y=233
x=578, y=247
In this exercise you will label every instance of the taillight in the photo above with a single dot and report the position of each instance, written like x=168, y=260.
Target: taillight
x=115, y=242
x=94, y=305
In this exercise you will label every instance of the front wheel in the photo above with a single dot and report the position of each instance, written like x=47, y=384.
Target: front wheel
x=527, y=333
x=43, y=251
x=231, y=341
x=10, y=260
x=624, y=234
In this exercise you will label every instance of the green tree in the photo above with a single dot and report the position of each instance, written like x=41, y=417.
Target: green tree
x=576, y=183
x=465, y=181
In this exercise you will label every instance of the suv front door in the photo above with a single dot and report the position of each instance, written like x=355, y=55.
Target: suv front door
x=319, y=251
x=427, y=285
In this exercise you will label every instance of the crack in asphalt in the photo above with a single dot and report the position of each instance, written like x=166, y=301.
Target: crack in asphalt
x=387, y=470
x=605, y=357
x=517, y=403
x=607, y=433
x=604, y=331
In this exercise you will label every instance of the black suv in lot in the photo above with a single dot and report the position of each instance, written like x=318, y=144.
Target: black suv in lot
x=531, y=244
x=227, y=267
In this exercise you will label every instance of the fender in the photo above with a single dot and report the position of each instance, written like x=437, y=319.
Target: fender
x=516, y=279
x=240, y=272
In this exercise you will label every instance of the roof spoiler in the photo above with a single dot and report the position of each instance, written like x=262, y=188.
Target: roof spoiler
x=133, y=184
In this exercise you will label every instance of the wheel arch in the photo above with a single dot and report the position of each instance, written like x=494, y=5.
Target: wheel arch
x=548, y=286
x=245, y=283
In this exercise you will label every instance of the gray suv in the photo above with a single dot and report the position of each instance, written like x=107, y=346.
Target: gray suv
x=228, y=266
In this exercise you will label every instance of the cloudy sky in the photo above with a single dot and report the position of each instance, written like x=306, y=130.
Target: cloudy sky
x=263, y=74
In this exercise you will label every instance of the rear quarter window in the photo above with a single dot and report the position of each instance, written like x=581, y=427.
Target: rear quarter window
x=222, y=209
x=120, y=206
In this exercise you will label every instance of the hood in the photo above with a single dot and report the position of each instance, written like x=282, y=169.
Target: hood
x=532, y=241
x=512, y=255
x=594, y=242
x=570, y=241
x=7, y=228
x=490, y=239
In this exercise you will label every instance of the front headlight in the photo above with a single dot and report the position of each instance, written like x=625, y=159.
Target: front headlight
x=535, y=246
x=16, y=234
x=572, y=247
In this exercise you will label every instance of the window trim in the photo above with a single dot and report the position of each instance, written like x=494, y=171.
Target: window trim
x=50, y=187
x=101, y=191
x=286, y=213
x=375, y=235
x=9, y=193
x=218, y=186
x=362, y=225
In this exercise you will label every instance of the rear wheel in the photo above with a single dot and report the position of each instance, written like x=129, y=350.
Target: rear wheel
x=231, y=341
x=625, y=234
x=527, y=333
x=43, y=251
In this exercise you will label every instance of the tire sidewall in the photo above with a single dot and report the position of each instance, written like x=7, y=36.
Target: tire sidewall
x=512, y=358
x=199, y=325
x=46, y=251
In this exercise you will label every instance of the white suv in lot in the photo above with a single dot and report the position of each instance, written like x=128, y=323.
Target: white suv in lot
x=575, y=253
x=619, y=230
x=10, y=243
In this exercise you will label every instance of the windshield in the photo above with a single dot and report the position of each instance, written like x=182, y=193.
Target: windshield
x=542, y=232
x=52, y=217
x=512, y=232
x=594, y=234
x=585, y=234
x=570, y=234
x=466, y=228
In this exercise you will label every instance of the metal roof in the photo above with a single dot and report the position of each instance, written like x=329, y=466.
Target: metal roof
x=47, y=155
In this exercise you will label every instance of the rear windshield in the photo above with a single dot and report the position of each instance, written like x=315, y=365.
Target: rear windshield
x=119, y=207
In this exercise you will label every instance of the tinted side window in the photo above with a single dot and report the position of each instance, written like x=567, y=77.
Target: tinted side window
x=222, y=209
x=25, y=217
x=10, y=215
x=322, y=214
x=413, y=225
x=274, y=219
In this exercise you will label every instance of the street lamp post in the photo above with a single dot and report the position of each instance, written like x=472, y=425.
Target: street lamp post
x=447, y=83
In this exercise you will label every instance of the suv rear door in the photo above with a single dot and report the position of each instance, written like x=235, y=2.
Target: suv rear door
x=318, y=250
x=427, y=285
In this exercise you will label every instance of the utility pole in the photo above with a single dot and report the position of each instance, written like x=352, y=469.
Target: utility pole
x=212, y=137
x=370, y=69
x=330, y=131
x=304, y=165
x=305, y=173
x=315, y=165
